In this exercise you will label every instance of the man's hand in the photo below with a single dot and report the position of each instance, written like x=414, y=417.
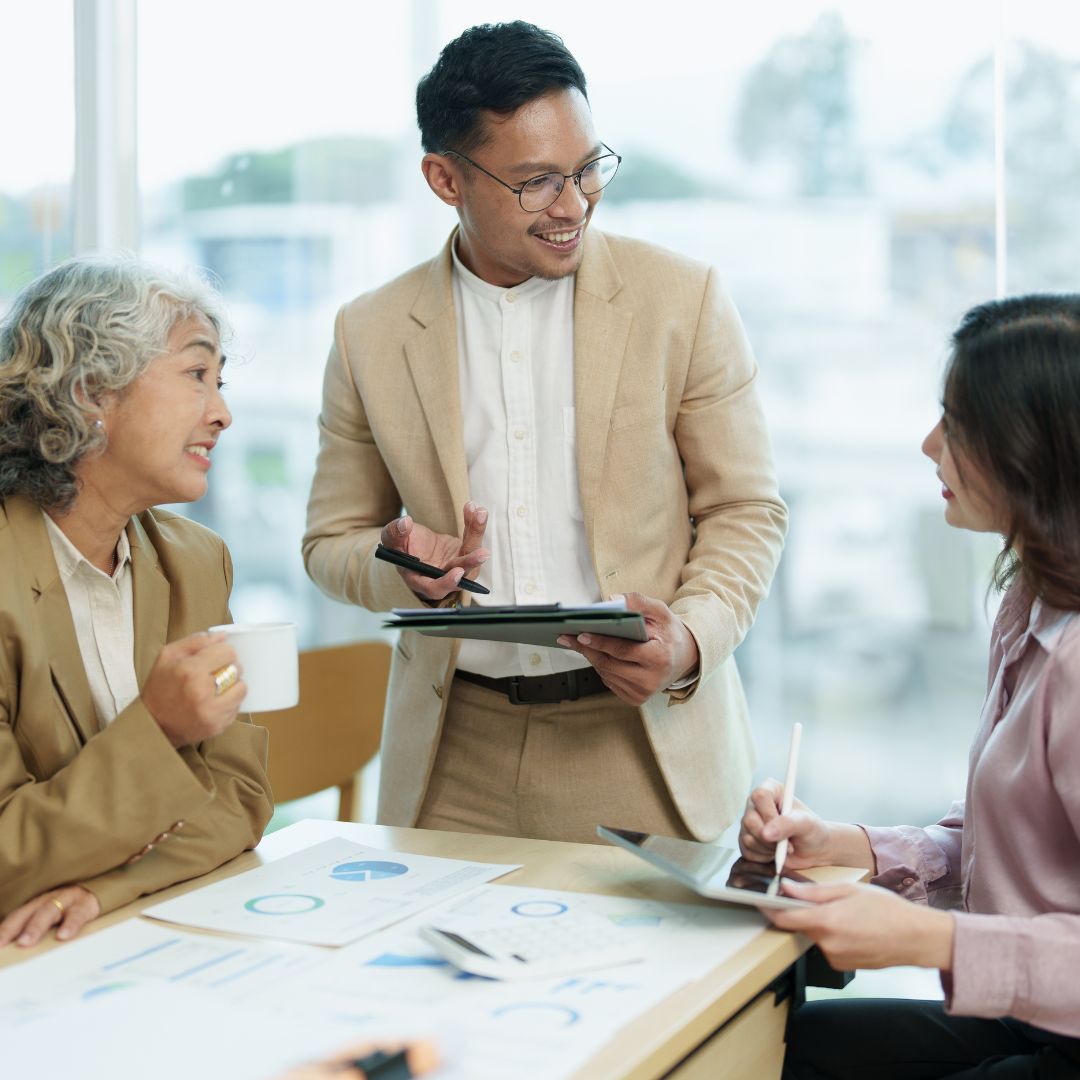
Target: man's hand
x=180, y=693
x=69, y=909
x=460, y=555
x=865, y=926
x=635, y=670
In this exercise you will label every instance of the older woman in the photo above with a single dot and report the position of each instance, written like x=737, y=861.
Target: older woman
x=123, y=768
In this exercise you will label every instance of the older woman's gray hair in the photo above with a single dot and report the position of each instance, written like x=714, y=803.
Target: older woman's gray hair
x=78, y=334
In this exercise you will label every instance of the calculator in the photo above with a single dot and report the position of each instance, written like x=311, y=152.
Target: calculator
x=534, y=950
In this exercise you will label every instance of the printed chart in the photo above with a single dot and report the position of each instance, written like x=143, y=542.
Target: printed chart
x=331, y=894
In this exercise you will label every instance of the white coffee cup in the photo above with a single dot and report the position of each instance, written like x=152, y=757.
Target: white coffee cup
x=269, y=663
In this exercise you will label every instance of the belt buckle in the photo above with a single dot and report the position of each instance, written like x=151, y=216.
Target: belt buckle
x=572, y=691
x=513, y=692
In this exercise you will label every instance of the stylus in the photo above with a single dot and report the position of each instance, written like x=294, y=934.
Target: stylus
x=411, y=562
x=789, y=792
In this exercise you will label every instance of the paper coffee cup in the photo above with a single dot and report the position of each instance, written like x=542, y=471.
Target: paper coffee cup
x=269, y=663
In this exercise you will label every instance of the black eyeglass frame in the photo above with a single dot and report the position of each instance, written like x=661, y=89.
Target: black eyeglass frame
x=575, y=176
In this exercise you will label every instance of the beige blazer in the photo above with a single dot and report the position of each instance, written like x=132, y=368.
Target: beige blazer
x=678, y=491
x=116, y=810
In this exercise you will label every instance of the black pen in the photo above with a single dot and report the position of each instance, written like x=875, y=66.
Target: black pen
x=411, y=562
x=403, y=1064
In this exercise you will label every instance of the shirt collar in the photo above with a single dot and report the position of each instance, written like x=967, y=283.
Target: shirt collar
x=494, y=293
x=69, y=558
x=1047, y=624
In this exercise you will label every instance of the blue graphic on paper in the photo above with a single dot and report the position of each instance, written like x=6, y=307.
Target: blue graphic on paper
x=284, y=904
x=396, y=960
x=367, y=871
x=539, y=909
x=569, y=1016
x=588, y=986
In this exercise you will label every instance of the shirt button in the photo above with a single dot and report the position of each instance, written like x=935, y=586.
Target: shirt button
x=909, y=881
x=534, y=659
x=530, y=587
x=520, y=433
x=521, y=511
x=515, y=356
x=511, y=297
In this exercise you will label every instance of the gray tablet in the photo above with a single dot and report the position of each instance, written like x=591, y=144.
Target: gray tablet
x=717, y=872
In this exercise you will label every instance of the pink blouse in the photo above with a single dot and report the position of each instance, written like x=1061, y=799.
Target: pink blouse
x=1008, y=857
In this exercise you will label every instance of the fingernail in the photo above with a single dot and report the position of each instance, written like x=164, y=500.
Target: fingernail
x=585, y=639
x=25, y=939
x=400, y=526
x=481, y=518
x=470, y=506
x=63, y=934
x=563, y=640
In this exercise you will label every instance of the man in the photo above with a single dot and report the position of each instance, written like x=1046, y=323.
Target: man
x=583, y=406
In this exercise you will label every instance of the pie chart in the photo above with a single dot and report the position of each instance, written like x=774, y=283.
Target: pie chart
x=367, y=871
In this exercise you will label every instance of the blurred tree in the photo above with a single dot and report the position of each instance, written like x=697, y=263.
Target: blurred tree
x=643, y=175
x=1042, y=156
x=336, y=170
x=797, y=104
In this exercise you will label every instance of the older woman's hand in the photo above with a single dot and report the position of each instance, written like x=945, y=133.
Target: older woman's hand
x=181, y=694
x=69, y=909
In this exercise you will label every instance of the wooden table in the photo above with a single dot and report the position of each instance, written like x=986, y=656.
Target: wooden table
x=726, y=1026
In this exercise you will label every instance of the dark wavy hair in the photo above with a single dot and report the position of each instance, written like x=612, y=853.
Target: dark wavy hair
x=496, y=67
x=1012, y=398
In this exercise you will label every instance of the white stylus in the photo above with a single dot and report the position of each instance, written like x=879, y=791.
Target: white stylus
x=789, y=792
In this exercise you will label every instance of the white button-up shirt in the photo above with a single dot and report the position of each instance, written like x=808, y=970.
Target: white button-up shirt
x=516, y=374
x=104, y=617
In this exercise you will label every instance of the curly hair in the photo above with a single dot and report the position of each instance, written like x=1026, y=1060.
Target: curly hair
x=1012, y=397
x=76, y=336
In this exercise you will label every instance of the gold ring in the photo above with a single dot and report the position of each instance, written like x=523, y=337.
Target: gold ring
x=60, y=905
x=225, y=678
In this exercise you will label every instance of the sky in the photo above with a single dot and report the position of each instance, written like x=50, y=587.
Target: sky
x=217, y=76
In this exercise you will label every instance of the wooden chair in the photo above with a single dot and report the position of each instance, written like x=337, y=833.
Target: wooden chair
x=335, y=730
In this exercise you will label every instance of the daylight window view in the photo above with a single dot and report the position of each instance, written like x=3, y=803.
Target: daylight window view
x=858, y=178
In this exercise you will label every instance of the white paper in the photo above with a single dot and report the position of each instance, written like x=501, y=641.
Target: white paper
x=542, y=1029
x=330, y=894
x=146, y=999
x=599, y=605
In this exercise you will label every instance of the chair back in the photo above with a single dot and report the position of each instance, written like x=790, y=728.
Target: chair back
x=336, y=729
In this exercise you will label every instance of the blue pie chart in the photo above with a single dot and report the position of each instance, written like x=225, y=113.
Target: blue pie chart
x=367, y=871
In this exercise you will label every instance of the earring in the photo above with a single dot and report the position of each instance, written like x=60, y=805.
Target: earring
x=99, y=424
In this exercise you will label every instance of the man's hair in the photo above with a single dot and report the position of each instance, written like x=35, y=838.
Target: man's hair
x=1012, y=402
x=496, y=67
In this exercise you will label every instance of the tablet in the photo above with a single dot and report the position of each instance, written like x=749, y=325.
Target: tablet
x=717, y=872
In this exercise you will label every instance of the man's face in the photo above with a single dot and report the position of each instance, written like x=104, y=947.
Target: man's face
x=498, y=241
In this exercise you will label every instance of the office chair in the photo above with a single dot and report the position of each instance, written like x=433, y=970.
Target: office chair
x=335, y=730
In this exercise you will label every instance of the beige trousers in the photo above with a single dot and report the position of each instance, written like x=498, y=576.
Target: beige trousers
x=550, y=772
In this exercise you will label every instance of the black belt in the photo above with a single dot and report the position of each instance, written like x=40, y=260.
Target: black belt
x=541, y=689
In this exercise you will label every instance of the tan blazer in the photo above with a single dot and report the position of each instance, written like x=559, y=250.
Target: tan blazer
x=677, y=489
x=82, y=805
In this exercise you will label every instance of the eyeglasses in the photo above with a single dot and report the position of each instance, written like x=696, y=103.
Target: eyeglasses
x=541, y=191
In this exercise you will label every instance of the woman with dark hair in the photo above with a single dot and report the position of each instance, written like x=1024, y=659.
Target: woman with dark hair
x=122, y=769
x=1006, y=860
